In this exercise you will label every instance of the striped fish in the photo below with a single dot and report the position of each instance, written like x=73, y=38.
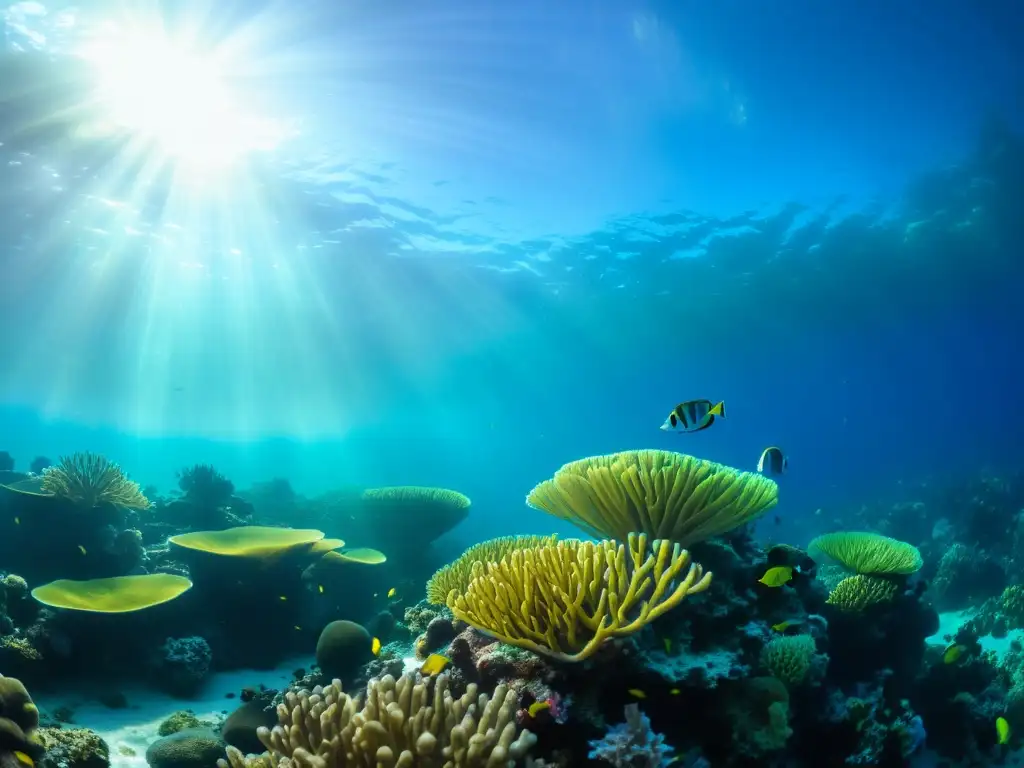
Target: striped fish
x=773, y=461
x=693, y=416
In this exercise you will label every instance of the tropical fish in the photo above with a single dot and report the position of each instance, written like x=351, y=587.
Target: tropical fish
x=953, y=653
x=282, y=598
x=298, y=628
x=434, y=664
x=1003, y=731
x=782, y=626
x=320, y=587
x=674, y=691
x=773, y=461
x=391, y=592
x=537, y=707
x=375, y=646
x=17, y=521
x=82, y=550
x=637, y=693
x=778, y=575
x=24, y=759
x=693, y=416
x=668, y=644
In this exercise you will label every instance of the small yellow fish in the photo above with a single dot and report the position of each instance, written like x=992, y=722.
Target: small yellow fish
x=321, y=588
x=298, y=628
x=668, y=644
x=952, y=653
x=773, y=461
x=779, y=575
x=82, y=550
x=434, y=664
x=24, y=759
x=283, y=598
x=17, y=521
x=375, y=646
x=1003, y=731
x=674, y=691
x=637, y=693
x=693, y=416
x=782, y=626
x=537, y=707
x=391, y=592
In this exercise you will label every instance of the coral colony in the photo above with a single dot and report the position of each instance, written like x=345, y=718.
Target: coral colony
x=667, y=636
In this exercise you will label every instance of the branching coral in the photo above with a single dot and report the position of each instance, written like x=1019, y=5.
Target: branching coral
x=663, y=494
x=858, y=593
x=89, y=480
x=203, y=485
x=403, y=723
x=457, y=574
x=565, y=599
x=867, y=553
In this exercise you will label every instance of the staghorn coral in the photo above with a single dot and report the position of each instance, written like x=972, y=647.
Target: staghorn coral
x=458, y=573
x=858, y=593
x=867, y=553
x=403, y=722
x=565, y=599
x=89, y=480
x=663, y=494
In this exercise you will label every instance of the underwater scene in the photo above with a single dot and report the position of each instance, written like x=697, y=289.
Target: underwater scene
x=479, y=384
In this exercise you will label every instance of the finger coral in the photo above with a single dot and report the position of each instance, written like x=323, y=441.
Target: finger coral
x=866, y=553
x=566, y=598
x=457, y=574
x=663, y=494
x=402, y=723
x=89, y=479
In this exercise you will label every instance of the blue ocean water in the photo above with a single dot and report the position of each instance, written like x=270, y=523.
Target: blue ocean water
x=459, y=244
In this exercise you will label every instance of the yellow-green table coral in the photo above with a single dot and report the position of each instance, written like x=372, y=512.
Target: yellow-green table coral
x=866, y=553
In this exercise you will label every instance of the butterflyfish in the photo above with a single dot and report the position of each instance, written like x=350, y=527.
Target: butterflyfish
x=537, y=707
x=778, y=575
x=391, y=592
x=24, y=759
x=1003, y=731
x=375, y=646
x=434, y=664
x=772, y=462
x=693, y=416
x=637, y=693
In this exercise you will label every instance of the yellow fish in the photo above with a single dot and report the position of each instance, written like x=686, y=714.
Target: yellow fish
x=1003, y=731
x=952, y=653
x=283, y=598
x=637, y=693
x=375, y=646
x=82, y=550
x=693, y=416
x=537, y=707
x=782, y=626
x=391, y=592
x=779, y=575
x=24, y=759
x=668, y=644
x=434, y=664
x=674, y=691
x=321, y=588
x=298, y=628
x=17, y=521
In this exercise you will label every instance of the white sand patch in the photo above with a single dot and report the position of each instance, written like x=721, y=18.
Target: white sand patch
x=132, y=730
x=950, y=622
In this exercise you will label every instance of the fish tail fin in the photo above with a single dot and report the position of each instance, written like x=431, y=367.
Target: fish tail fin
x=719, y=409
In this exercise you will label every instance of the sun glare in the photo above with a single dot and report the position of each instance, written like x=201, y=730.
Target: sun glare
x=175, y=97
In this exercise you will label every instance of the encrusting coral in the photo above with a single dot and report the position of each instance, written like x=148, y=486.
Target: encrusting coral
x=403, y=723
x=565, y=599
x=663, y=494
x=89, y=479
x=458, y=573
